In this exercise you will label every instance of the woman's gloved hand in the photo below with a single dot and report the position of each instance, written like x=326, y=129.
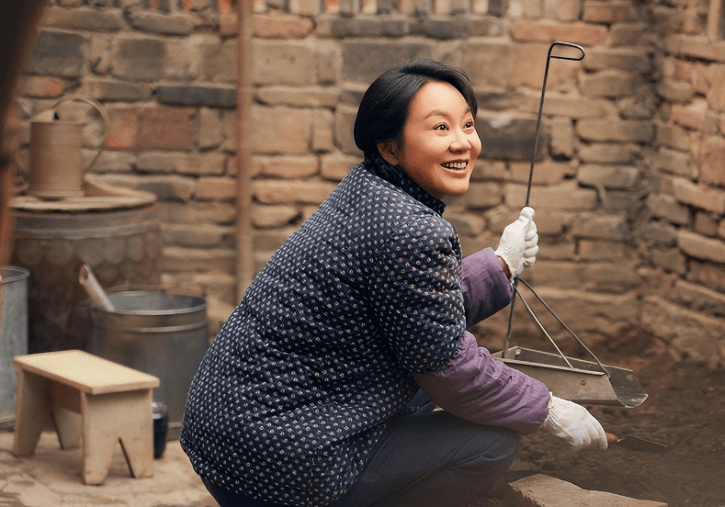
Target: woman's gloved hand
x=574, y=424
x=519, y=243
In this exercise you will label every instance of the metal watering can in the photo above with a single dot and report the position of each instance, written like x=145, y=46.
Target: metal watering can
x=56, y=162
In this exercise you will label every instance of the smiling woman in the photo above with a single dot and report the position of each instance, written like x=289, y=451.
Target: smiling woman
x=320, y=389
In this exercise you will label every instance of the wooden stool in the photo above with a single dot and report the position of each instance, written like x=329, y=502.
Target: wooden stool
x=114, y=403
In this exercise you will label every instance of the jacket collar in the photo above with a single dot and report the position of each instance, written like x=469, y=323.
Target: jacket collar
x=398, y=177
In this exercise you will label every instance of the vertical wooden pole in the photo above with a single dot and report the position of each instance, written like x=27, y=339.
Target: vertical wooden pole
x=245, y=248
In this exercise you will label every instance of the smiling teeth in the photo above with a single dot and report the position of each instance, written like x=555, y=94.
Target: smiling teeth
x=455, y=165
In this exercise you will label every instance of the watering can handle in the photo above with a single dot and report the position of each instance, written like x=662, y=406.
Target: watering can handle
x=104, y=118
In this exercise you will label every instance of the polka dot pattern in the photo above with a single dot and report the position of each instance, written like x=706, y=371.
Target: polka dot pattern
x=297, y=387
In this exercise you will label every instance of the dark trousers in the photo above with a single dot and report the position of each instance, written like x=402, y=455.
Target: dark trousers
x=424, y=459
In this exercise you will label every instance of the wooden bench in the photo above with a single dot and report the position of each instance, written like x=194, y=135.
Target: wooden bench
x=90, y=401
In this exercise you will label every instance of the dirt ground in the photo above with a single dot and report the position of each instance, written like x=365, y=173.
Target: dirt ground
x=685, y=411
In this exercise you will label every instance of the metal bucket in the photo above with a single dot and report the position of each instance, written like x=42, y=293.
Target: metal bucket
x=158, y=333
x=13, y=335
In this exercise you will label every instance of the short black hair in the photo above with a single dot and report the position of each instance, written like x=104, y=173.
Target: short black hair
x=385, y=106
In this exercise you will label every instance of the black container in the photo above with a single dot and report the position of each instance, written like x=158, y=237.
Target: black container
x=160, y=416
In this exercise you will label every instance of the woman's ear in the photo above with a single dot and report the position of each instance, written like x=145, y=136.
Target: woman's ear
x=388, y=150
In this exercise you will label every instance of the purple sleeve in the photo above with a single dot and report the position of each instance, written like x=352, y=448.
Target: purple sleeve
x=486, y=288
x=478, y=388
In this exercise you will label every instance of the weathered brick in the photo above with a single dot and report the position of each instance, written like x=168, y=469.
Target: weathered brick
x=628, y=34
x=139, y=59
x=692, y=115
x=447, y=28
x=177, y=23
x=357, y=26
x=546, y=173
x=693, y=335
x=84, y=18
x=615, y=278
x=610, y=177
x=207, y=212
x=165, y=128
x=670, y=260
x=215, y=189
x=571, y=106
x=707, y=274
x=122, y=130
x=616, y=130
x=323, y=136
x=55, y=53
x=675, y=91
x=700, y=299
x=466, y=224
x=42, y=86
x=281, y=26
x=335, y=166
x=607, y=153
x=566, y=196
x=228, y=24
x=165, y=187
x=699, y=196
x=593, y=250
x=483, y=195
x=563, y=10
x=210, y=129
x=268, y=122
x=609, y=12
x=204, y=164
x=311, y=96
x=509, y=138
x=194, y=259
x=230, y=122
x=673, y=136
x=266, y=217
x=705, y=224
x=701, y=247
x=108, y=90
x=365, y=61
x=610, y=83
x=305, y=7
x=220, y=60
x=114, y=161
x=197, y=96
x=626, y=59
x=287, y=167
x=655, y=232
x=191, y=235
x=184, y=60
x=666, y=207
x=344, y=121
x=561, y=133
x=284, y=63
x=696, y=47
x=289, y=191
x=712, y=161
x=536, y=31
x=609, y=227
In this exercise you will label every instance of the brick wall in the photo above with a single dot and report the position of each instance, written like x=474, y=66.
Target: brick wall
x=628, y=179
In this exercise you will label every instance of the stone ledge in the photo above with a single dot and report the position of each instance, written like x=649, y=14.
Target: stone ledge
x=544, y=491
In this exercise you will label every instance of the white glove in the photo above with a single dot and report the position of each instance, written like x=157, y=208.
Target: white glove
x=574, y=424
x=519, y=243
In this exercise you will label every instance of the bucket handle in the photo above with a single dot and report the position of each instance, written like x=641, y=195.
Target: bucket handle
x=104, y=117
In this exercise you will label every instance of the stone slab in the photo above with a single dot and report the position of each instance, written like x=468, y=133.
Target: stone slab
x=544, y=491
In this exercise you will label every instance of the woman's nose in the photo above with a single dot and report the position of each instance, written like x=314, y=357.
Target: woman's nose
x=460, y=142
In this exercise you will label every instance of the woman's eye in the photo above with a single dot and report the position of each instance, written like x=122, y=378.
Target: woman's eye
x=469, y=125
x=439, y=127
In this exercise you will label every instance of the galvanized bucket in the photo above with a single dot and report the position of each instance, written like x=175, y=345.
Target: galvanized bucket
x=13, y=336
x=158, y=333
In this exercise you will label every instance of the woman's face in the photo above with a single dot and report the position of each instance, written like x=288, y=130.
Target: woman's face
x=440, y=143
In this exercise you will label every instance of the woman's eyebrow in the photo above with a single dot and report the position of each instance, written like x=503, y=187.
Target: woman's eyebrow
x=438, y=112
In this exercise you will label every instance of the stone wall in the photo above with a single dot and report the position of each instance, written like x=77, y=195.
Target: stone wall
x=628, y=180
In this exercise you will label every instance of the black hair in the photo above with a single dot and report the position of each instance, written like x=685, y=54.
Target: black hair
x=385, y=106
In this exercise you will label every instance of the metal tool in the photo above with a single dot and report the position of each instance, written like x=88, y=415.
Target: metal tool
x=634, y=443
x=573, y=379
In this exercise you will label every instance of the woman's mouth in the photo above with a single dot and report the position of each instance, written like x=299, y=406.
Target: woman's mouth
x=455, y=166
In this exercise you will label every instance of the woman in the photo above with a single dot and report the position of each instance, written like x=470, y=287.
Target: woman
x=310, y=393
